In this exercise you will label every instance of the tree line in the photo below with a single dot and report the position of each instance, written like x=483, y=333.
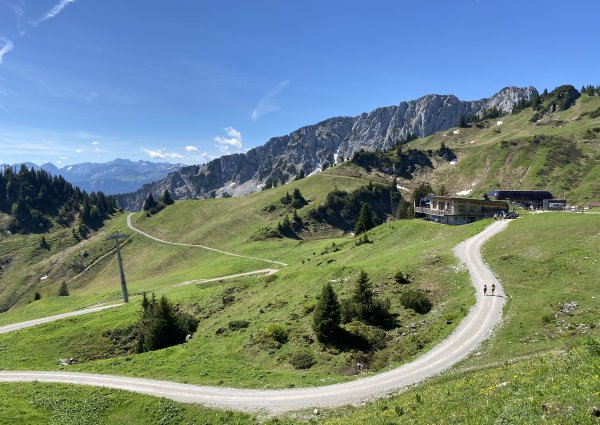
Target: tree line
x=34, y=199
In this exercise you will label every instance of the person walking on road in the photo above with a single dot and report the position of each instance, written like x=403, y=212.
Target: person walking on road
x=484, y=289
x=493, y=288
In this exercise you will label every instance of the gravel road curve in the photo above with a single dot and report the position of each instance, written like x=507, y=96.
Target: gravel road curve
x=476, y=327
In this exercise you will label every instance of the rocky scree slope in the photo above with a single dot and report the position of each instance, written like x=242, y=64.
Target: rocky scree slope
x=317, y=146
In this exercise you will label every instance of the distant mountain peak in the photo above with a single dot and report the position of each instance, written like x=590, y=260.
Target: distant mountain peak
x=116, y=176
x=314, y=147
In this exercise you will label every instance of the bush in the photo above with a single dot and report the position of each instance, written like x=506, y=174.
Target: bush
x=363, y=239
x=417, y=301
x=595, y=114
x=277, y=333
x=37, y=296
x=593, y=347
x=303, y=359
x=235, y=325
x=63, y=291
x=401, y=278
x=548, y=318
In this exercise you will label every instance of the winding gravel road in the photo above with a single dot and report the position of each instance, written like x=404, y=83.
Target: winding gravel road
x=475, y=328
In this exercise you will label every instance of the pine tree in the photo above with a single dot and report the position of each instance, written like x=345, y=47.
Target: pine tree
x=462, y=122
x=535, y=101
x=298, y=200
x=150, y=203
x=166, y=198
x=300, y=174
x=287, y=199
x=63, y=291
x=326, y=317
x=365, y=220
x=403, y=210
x=362, y=297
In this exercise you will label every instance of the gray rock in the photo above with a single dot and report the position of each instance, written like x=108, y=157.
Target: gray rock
x=317, y=146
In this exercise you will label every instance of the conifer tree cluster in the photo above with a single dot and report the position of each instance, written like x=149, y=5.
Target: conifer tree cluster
x=346, y=209
x=590, y=90
x=151, y=206
x=161, y=325
x=363, y=305
x=34, y=198
x=296, y=200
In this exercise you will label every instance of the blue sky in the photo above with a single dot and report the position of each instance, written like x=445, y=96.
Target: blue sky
x=189, y=80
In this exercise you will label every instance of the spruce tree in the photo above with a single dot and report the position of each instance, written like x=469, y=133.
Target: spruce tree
x=363, y=297
x=166, y=198
x=365, y=220
x=63, y=291
x=150, y=203
x=326, y=317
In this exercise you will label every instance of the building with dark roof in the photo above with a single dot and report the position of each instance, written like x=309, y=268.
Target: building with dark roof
x=447, y=210
x=526, y=198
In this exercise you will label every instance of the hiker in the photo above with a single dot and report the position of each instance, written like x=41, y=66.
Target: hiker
x=484, y=289
x=493, y=288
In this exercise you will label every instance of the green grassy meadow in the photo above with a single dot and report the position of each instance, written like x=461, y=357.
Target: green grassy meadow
x=537, y=368
x=238, y=357
x=37, y=403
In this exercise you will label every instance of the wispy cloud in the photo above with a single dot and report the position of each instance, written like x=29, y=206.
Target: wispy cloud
x=95, y=143
x=16, y=8
x=54, y=11
x=191, y=148
x=233, y=139
x=7, y=46
x=78, y=150
x=265, y=104
x=161, y=154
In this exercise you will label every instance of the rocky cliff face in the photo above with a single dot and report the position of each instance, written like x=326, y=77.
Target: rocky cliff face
x=314, y=147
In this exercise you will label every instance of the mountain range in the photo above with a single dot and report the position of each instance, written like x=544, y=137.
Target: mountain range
x=117, y=176
x=315, y=147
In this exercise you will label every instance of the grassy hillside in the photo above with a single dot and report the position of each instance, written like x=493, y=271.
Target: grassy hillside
x=559, y=153
x=540, y=367
x=32, y=404
x=548, y=264
x=248, y=357
x=542, y=364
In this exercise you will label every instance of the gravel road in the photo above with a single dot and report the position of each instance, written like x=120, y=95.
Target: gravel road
x=21, y=325
x=475, y=328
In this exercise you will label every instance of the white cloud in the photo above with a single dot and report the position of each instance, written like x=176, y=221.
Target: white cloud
x=63, y=157
x=161, y=154
x=17, y=9
x=265, y=104
x=234, y=139
x=191, y=149
x=78, y=150
x=54, y=11
x=95, y=143
x=6, y=47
